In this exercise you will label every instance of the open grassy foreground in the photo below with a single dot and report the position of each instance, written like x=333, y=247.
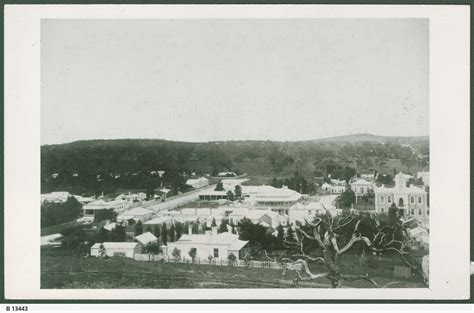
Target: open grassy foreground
x=74, y=272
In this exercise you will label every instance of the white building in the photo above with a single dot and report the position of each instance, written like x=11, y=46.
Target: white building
x=226, y=174
x=217, y=246
x=56, y=197
x=411, y=201
x=268, y=197
x=198, y=182
x=120, y=249
x=90, y=209
x=337, y=189
x=203, y=215
x=362, y=187
x=146, y=238
x=51, y=240
x=131, y=197
x=137, y=214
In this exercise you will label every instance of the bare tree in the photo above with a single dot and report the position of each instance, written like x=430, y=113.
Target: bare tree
x=327, y=238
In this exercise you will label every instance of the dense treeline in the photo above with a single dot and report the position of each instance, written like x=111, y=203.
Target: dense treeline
x=107, y=165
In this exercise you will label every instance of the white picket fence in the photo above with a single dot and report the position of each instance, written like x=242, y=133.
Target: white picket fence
x=220, y=262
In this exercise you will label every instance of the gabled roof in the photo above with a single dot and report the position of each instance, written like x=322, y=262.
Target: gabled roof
x=146, y=238
x=361, y=181
x=231, y=240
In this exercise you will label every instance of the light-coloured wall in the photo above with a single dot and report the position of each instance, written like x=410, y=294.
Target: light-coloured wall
x=129, y=252
x=203, y=250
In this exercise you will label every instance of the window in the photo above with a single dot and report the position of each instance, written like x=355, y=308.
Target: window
x=428, y=212
x=419, y=200
x=412, y=211
x=381, y=210
x=412, y=200
x=389, y=199
x=382, y=199
x=419, y=211
x=216, y=252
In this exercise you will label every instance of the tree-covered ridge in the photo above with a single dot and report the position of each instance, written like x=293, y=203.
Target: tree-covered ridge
x=130, y=163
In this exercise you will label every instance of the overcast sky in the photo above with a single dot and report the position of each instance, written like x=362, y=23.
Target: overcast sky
x=203, y=80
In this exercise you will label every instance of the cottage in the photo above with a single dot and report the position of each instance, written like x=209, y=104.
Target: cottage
x=209, y=245
x=137, y=214
x=146, y=238
x=198, y=182
x=92, y=208
x=116, y=249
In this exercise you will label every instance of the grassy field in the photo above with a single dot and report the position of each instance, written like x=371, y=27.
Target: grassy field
x=75, y=272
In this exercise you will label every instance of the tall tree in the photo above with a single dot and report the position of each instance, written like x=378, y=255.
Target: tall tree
x=164, y=234
x=138, y=228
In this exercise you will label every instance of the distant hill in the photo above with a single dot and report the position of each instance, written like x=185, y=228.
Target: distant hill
x=127, y=163
x=372, y=138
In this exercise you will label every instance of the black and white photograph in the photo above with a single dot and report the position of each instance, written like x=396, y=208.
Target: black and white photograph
x=238, y=152
x=235, y=153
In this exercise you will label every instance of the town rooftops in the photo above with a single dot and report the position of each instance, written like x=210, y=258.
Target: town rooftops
x=159, y=220
x=146, y=238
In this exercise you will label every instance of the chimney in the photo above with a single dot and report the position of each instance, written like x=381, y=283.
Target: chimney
x=190, y=229
x=214, y=230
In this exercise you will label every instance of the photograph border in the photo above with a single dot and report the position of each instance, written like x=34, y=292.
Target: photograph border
x=220, y=301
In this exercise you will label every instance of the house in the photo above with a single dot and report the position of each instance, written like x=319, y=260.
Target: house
x=137, y=214
x=198, y=182
x=361, y=187
x=116, y=249
x=425, y=177
x=410, y=201
x=93, y=207
x=146, y=238
x=256, y=216
x=56, y=197
x=210, y=245
x=338, y=182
